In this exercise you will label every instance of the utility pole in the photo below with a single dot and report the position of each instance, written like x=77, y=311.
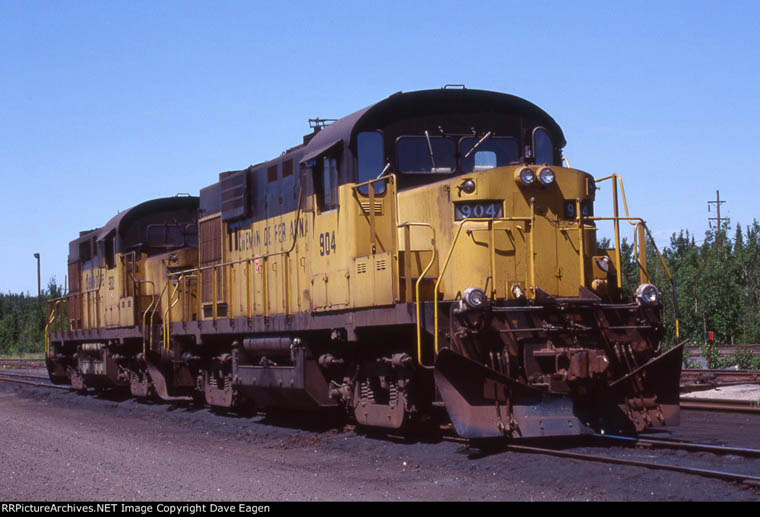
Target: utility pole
x=39, y=284
x=717, y=204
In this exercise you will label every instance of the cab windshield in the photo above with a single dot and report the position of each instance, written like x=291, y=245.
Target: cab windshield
x=492, y=152
x=433, y=154
x=445, y=155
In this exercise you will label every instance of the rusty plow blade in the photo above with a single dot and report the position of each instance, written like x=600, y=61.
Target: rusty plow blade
x=661, y=377
x=482, y=403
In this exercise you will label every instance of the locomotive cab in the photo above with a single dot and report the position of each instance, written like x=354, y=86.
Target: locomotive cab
x=525, y=310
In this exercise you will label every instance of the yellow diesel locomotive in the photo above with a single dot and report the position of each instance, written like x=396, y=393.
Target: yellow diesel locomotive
x=428, y=252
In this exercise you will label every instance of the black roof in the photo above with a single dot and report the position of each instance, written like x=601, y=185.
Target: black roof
x=422, y=102
x=121, y=221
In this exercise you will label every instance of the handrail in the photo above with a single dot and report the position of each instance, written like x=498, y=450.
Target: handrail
x=145, y=314
x=51, y=319
x=407, y=225
x=153, y=313
x=169, y=306
x=464, y=223
x=641, y=259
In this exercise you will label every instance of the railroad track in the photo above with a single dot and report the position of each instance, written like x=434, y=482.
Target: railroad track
x=743, y=406
x=18, y=378
x=702, y=378
x=746, y=479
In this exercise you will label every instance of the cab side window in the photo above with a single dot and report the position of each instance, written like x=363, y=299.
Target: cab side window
x=370, y=160
x=326, y=182
x=543, y=147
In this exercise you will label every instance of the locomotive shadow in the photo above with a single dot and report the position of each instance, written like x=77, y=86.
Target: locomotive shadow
x=108, y=394
x=318, y=421
x=478, y=449
x=421, y=432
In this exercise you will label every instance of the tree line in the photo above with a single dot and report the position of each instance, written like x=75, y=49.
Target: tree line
x=23, y=319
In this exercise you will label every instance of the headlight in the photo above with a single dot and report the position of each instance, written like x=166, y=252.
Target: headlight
x=526, y=176
x=475, y=298
x=647, y=294
x=546, y=176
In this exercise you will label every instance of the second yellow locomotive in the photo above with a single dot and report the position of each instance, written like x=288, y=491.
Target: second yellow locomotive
x=428, y=250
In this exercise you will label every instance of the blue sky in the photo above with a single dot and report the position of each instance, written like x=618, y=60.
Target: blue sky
x=106, y=104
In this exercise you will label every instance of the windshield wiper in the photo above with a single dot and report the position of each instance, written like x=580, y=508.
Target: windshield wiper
x=430, y=149
x=477, y=144
x=385, y=169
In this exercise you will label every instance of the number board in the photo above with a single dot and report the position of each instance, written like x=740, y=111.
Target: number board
x=478, y=210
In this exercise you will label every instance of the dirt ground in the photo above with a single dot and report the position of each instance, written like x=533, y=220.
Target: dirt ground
x=58, y=445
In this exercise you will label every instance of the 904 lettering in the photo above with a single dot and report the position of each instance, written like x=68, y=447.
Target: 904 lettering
x=478, y=209
x=326, y=243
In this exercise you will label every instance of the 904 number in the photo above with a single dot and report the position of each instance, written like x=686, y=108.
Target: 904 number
x=478, y=210
x=326, y=243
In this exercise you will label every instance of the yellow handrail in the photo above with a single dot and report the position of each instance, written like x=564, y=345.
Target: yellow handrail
x=464, y=223
x=407, y=225
x=153, y=313
x=638, y=223
x=145, y=312
x=169, y=305
x=51, y=319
